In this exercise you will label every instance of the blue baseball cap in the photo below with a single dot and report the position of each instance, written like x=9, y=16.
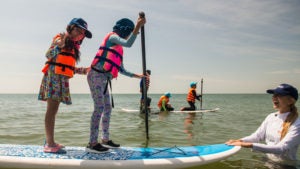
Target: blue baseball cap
x=193, y=84
x=168, y=94
x=285, y=90
x=79, y=22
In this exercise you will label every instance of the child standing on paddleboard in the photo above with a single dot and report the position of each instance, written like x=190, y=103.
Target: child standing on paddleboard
x=191, y=97
x=147, y=82
x=60, y=67
x=106, y=66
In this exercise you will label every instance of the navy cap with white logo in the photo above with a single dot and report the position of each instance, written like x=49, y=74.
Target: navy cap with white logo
x=79, y=22
x=285, y=90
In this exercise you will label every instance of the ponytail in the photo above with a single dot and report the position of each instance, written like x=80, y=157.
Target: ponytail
x=290, y=119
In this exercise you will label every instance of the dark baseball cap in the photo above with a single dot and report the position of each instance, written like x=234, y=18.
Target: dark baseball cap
x=285, y=90
x=79, y=22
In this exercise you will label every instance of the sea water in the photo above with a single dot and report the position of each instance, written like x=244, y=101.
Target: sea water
x=22, y=122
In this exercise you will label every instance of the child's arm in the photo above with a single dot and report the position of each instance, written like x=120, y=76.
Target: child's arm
x=128, y=42
x=115, y=39
x=82, y=70
x=123, y=71
x=163, y=105
x=195, y=95
x=139, y=23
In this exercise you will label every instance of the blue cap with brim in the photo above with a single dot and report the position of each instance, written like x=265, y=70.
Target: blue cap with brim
x=285, y=90
x=193, y=84
x=79, y=22
x=168, y=94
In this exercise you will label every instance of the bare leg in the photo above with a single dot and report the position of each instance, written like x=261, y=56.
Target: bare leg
x=52, y=108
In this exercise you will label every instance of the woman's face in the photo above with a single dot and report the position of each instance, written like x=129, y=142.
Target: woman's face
x=282, y=103
x=77, y=33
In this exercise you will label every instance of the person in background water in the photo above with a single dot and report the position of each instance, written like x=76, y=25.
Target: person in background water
x=148, y=73
x=60, y=67
x=106, y=66
x=280, y=130
x=163, y=103
x=191, y=97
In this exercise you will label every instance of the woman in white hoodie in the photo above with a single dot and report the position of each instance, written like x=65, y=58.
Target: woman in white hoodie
x=280, y=130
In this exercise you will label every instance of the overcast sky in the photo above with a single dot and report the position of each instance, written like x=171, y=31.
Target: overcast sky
x=236, y=46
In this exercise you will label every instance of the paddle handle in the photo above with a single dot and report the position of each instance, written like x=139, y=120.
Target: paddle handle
x=142, y=14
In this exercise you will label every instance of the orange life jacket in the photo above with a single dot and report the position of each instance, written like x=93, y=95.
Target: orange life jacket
x=64, y=62
x=190, y=96
x=159, y=104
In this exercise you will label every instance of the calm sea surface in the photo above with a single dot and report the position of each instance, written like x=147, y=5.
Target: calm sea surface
x=22, y=122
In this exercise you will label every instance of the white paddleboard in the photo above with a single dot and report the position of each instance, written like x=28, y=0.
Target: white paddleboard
x=32, y=156
x=130, y=110
x=175, y=111
x=197, y=111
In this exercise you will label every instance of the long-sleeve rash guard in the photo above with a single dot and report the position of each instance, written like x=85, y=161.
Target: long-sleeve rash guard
x=270, y=132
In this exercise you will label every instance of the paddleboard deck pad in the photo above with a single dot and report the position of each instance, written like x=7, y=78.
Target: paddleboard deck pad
x=32, y=156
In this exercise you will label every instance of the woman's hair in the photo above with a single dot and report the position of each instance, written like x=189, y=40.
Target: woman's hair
x=70, y=44
x=290, y=119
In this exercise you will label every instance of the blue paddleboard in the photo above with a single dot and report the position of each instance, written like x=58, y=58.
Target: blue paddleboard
x=32, y=156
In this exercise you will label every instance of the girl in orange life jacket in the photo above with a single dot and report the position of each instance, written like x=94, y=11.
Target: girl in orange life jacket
x=163, y=103
x=191, y=97
x=60, y=67
x=106, y=66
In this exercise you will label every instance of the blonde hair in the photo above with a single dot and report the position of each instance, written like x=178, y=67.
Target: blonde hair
x=290, y=119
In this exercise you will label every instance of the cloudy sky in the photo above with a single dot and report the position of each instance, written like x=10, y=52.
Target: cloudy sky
x=236, y=46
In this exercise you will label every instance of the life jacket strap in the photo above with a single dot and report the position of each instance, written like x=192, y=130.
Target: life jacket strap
x=64, y=66
x=111, y=96
x=67, y=54
x=111, y=50
x=106, y=86
x=109, y=61
x=99, y=71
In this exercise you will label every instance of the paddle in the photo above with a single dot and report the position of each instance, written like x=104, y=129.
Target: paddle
x=201, y=94
x=142, y=15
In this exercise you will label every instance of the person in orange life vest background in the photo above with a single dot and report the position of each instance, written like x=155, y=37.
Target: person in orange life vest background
x=106, y=66
x=60, y=67
x=280, y=130
x=191, y=97
x=147, y=78
x=163, y=103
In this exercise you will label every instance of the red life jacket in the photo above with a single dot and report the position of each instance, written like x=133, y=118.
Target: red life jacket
x=111, y=56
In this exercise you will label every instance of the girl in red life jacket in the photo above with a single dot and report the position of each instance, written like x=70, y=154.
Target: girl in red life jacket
x=60, y=67
x=106, y=65
x=191, y=97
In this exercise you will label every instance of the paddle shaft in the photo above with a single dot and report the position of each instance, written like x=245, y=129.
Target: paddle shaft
x=201, y=94
x=142, y=15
